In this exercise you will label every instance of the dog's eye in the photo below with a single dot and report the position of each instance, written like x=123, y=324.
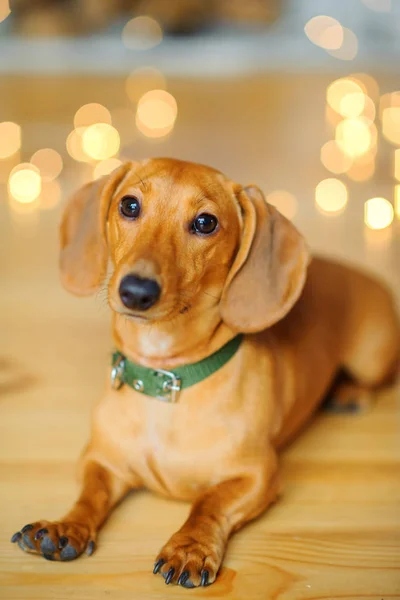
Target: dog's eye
x=129, y=207
x=204, y=224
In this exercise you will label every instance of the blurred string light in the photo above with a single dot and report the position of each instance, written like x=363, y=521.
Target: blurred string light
x=334, y=159
x=50, y=195
x=49, y=163
x=378, y=213
x=349, y=47
x=143, y=80
x=90, y=114
x=397, y=164
x=284, y=201
x=397, y=200
x=363, y=167
x=75, y=145
x=4, y=9
x=391, y=124
x=378, y=5
x=331, y=196
x=105, y=167
x=325, y=32
x=389, y=100
x=368, y=84
x=10, y=139
x=356, y=136
x=100, y=141
x=25, y=183
x=338, y=91
x=156, y=113
x=142, y=33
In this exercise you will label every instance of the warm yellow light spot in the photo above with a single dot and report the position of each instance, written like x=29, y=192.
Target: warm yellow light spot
x=50, y=195
x=391, y=124
x=369, y=85
x=362, y=168
x=397, y=200
x=4, y=9
x=284, y=201
x=369, y=110
x=105, y=167
x=92, y=113
x=325, y=32
x=378, y=213
x=339, y=89
x=331, y=196
x=143, y=80
x=100, y=141
x=74, y=145
x=354, y=136
x=352, y=105
x=24, y=183
x=378, y=5
x=142, y=33
x=10, y=139
x=334, y=159
x=156, y=113
x=49, y=163
x=389, y=100
x=349, y=47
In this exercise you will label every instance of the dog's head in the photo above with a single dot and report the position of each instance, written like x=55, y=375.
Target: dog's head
x=182, y=238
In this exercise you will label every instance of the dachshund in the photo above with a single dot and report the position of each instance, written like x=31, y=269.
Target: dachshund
x=206, y=280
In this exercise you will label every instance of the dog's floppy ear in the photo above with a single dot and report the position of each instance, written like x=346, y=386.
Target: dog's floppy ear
x=269, y=271
x=83, y=234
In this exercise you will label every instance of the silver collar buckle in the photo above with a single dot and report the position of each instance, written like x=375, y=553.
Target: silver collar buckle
x=117, y=374
x=169, y=387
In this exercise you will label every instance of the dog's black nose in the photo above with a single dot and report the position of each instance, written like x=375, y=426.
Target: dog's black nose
x=137, y=293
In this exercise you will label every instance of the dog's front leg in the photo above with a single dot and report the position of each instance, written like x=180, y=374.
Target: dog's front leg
x=193, y=555
x=76, y=532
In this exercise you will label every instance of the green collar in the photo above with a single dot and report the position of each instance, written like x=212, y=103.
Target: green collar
x=165, y=385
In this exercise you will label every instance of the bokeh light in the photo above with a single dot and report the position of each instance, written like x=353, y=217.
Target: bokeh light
x=378, y=213
x=284, y=201
x=349, y=48
x=397, y=164
x=339, y=89
x=378, y=5
x=100, y=141
x=49, y=163
x=10, y=139
x=397, y=200
x=352, y=105
x=331, y=196
x=334, y=159
x=392, y=99
x=325, y=32
x=143, y=80
x=142, y=33
x=369, y=85
x=75, y=145
x=363, y=167
x=355, y=136
x=391, y=124
x=50, y=195
x=156, y=113
x=24, y=183
x=90, y=114
x=105, y=167
x=4, y=9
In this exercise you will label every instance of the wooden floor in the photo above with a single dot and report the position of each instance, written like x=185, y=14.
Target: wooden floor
x=336, y=531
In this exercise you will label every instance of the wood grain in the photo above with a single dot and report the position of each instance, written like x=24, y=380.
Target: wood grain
x=335, y=533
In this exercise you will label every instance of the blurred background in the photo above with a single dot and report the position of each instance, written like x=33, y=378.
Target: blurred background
x=299, y=96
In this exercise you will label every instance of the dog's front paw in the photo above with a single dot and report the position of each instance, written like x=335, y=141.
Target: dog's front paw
x=55, y=540
x=189, y=562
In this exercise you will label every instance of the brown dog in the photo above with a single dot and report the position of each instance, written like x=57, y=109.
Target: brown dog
x=196, y=259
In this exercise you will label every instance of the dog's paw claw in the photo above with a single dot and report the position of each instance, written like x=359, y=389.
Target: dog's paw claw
x=55, y=541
